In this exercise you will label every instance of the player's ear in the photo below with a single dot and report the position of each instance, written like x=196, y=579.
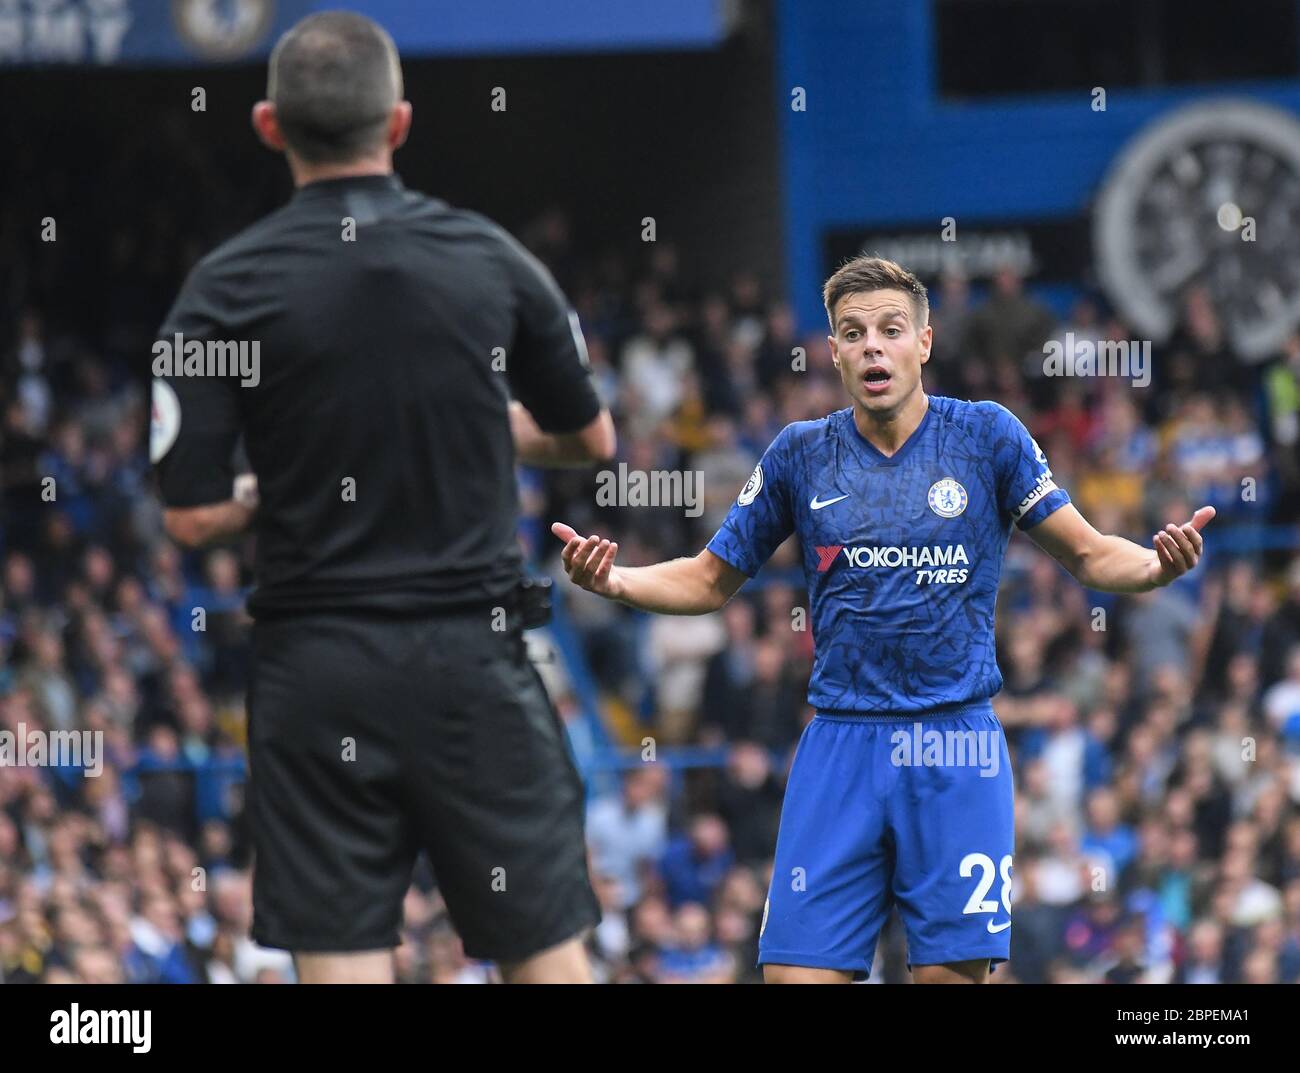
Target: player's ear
x=835, y=351
x=927, y=340
x=267, y=126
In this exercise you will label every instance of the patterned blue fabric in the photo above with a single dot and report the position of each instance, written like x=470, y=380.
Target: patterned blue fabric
x=901, y=554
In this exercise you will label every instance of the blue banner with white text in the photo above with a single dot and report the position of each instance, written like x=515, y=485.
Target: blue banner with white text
x=109, y=32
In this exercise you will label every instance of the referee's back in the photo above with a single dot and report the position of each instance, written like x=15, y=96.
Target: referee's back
x=389, y=331
x=365, y=341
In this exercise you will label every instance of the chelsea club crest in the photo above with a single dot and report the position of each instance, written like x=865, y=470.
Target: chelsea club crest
x=947, y=498
x=222, y=29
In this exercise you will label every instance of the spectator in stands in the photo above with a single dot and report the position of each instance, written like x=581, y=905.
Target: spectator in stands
x=693, y=957
x=1009, y=326
x=695, y=864
x=626, y=831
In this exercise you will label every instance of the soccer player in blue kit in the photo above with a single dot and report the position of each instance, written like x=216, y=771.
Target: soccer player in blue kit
x=903, y=505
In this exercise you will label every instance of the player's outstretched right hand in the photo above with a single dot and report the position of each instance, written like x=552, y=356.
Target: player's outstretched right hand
x=589, y=561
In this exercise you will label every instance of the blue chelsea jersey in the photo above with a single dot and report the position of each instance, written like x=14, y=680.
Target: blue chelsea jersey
x=901, y=554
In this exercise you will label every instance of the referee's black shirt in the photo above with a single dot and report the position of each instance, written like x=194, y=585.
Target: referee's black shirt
x=378, y=425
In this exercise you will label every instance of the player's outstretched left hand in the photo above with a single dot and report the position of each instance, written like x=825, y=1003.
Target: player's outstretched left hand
x=1178, y=547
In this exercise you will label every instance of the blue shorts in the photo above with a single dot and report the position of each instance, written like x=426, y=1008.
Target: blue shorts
x=914, y=811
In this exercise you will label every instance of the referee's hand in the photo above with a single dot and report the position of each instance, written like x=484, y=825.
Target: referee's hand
x=589, y=561
x=245, y=492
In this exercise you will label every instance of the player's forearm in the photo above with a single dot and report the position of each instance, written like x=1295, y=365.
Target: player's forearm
x=676, y=587
x=1117, y=565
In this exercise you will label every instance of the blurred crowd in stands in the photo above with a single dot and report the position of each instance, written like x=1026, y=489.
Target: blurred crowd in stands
x=1155, y=739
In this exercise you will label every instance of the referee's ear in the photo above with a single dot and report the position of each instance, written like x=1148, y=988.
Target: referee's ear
x=399, y=125
x=267, y=126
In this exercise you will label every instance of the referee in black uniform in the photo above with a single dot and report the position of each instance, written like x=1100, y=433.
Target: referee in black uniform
x=365, y=340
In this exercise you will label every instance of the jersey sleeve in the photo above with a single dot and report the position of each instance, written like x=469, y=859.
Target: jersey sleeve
x=547, y=365
x=761, y=518
x=1026, y=490
x=195, y=419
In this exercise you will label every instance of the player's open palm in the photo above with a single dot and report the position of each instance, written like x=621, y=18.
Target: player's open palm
x=1179, y=547
x=589, y=561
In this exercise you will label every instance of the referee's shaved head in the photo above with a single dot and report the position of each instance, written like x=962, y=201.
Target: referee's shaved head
x=334, y=79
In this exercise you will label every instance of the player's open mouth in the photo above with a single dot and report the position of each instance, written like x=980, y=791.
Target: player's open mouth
x=877, y=380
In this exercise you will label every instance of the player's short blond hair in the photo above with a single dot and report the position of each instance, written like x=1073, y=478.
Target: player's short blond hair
x=875, y=274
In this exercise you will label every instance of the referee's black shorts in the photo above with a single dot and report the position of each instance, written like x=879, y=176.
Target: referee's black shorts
x=373, y=737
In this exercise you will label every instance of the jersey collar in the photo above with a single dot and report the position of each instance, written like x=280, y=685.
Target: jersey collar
x=873, y=454
x=333, y=187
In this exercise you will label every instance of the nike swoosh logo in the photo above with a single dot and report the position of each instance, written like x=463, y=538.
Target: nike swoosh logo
x=817, y=504
x=995, y=928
